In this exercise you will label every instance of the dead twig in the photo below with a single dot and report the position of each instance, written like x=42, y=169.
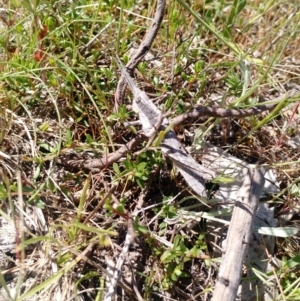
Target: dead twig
x=141, y=52
x=218, y=112
x=129, y=239
x=98, y=164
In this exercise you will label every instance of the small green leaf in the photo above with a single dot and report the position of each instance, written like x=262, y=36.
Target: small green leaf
x=142, y=229
x=174, y=277
x=140, y=183
x=177, y=271
x=138, y=227
x=120, y=208
x=47, y=147
x=37, y=172
x=44, y=127
x=116, y=168
x=199, y=66
x=138, y=174
x=3, y=193
x=295, y=190
x=89, y=139
x=167, y=256
x=223, y=179
x=176, y=241
x=132, y=129
x=112, y=117
x=69, y=137
x=293, y=262
x=141, y=166
x=156, y=80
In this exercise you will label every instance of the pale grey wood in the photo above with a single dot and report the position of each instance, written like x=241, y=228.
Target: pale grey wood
x=239, y=235
x=194, y=173
x=149, y=115
x=253, y=288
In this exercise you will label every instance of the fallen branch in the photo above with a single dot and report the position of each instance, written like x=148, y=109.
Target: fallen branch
x=94, y=164
x=239, y=235
x=196, y=113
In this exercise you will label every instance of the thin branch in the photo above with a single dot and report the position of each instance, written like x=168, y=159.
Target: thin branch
x=196, y=113
x=129, y=239
x=218, y=112
x=98, y=164
x=141, y=52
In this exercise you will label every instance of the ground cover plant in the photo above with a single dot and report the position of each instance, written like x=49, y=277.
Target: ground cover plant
x=80, y=183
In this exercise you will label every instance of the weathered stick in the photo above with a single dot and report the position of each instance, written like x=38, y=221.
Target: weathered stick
x=239, y=235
